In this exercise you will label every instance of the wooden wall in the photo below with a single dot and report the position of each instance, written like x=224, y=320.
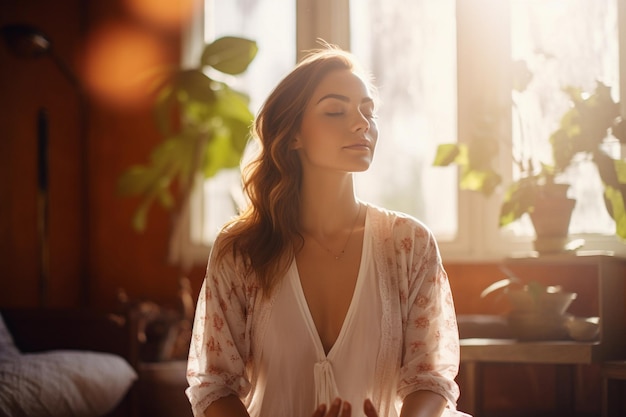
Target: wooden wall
x=90, y=238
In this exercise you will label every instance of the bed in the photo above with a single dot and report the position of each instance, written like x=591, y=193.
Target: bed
x=68, y=363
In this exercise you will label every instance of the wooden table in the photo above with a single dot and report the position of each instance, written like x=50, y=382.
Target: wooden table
x=608, y=273
x=565, y=355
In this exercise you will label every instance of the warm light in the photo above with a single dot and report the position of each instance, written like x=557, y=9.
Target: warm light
x=122, y=65
x=169, y=14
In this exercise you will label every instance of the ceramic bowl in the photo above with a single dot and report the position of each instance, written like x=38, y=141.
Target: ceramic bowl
x=556, y=302
x=583, y=329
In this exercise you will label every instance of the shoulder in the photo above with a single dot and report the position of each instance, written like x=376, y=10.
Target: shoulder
x=398, y=224
x=223, y=257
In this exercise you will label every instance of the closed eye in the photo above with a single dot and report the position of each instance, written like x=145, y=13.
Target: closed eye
x=334, y=114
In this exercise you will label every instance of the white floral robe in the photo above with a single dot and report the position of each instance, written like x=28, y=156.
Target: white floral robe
x=417, y=346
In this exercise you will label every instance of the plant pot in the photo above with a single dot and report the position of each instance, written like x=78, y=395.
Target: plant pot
x=551, y=217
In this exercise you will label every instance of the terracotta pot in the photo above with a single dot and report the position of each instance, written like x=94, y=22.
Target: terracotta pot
x=551, y=218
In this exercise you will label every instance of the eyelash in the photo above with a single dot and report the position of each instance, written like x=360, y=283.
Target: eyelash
x=337, y=114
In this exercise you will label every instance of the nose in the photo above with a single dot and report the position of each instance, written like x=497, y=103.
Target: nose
x=362, y=123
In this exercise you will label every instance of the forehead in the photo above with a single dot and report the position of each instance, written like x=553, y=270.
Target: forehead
x=343, y=82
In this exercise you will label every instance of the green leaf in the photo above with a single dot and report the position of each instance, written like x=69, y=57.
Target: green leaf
x=232, y=104
x=607, y=168
x=220, y=153
x=239, y=135
x=447, y=154
x=617, y=210
x=167, y=155
x=620, y=169
x=166, y=198
x=193, y=84
x=135, y=181
x=619, y=130
x=484, y=181
x=230, y=55
x=140, y=219
x=518, y=199
x=163, y=104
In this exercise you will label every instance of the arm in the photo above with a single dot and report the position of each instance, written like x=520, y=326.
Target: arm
x=229, y=406
x=423, y=404
x=220, y=344
x=430, y=357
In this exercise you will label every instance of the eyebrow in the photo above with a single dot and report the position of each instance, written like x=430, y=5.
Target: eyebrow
x=343, y=98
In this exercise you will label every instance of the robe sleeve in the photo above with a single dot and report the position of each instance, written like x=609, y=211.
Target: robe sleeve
x=220, y=344
x=430, y=357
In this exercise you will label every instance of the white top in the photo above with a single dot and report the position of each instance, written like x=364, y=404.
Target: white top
x=399, y=335
x=299, y=375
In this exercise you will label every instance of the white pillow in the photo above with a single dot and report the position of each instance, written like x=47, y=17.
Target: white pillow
x=8, y=350
x=63, y=383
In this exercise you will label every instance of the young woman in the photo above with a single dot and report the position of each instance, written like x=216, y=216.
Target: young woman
x=315, y=302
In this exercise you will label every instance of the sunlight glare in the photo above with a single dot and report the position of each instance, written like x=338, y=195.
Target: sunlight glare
x=167, y=14
x=122, y=65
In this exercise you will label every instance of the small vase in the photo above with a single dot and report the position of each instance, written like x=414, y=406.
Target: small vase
x=551, y=217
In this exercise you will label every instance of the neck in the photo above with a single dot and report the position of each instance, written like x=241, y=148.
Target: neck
x=328, y=206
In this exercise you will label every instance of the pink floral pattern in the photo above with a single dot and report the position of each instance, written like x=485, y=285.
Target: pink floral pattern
x=419, y=350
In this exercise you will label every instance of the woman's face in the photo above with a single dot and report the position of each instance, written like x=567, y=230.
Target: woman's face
x=338, y=130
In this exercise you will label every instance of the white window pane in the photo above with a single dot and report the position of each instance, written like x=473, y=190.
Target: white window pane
x=271, y=23
x=411, y=49
x=564, y=43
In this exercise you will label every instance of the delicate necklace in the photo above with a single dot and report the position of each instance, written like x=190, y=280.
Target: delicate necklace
x=343, y=251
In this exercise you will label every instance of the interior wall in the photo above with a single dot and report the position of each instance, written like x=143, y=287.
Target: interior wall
x=101, y=247
x=25, y=87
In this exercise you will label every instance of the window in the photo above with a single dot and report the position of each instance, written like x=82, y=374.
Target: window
x=553, y=38
x=440, y=65
x=271, y=23
x=410, y=47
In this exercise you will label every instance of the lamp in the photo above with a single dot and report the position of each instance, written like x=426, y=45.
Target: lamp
x=28, y=42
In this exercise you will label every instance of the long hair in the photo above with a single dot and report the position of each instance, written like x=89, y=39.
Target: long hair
x=266, y=233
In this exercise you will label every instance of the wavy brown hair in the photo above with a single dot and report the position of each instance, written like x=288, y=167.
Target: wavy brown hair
x=266, y=233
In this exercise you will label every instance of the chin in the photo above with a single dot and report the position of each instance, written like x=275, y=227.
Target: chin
x=362, y=167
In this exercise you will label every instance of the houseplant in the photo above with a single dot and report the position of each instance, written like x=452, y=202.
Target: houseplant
x=537, y=311
x=204, y=123
x=583, y=132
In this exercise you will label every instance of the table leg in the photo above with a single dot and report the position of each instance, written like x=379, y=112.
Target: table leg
x=472, y=392
x=565, y=387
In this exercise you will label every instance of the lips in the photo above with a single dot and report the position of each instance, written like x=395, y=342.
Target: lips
x=360, y=145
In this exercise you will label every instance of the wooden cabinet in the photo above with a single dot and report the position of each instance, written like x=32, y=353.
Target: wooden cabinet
x=598, y=279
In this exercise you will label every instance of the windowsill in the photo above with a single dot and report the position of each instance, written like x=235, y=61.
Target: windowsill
x=605, y=246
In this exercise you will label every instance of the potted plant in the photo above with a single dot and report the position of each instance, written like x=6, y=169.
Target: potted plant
x=537, y=311
x=205, y=127
x=582, y=134
x=205, y=124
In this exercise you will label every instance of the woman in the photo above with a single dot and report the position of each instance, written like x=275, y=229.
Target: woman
x=315, y=301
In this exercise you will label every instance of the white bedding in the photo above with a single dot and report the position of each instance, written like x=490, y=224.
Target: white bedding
x=60, y=383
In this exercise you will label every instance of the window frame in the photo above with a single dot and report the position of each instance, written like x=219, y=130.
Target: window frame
x=482, y=77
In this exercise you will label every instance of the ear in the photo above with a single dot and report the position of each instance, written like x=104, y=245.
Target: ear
x=296, y=143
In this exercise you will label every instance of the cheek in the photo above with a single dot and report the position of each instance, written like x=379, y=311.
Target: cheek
x=373, y=133
x=320, y=130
